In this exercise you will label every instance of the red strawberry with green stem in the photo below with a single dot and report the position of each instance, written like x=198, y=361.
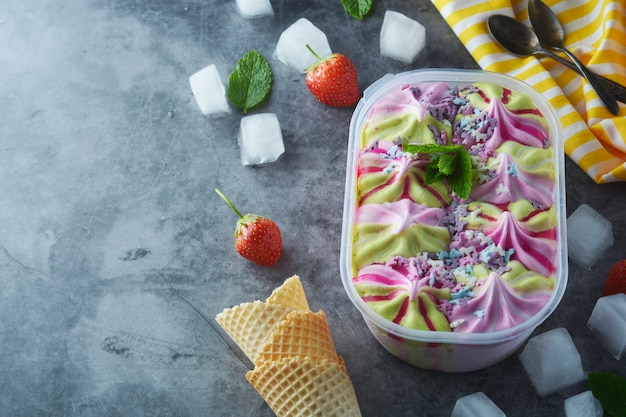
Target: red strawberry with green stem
x=333, y=80
x=257, y=238
x=616, y=280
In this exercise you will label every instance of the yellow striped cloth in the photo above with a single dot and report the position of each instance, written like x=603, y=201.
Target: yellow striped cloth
x=595, y=31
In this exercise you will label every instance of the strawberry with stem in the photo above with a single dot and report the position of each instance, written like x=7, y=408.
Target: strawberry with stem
x=333, y=80
x=257, y=238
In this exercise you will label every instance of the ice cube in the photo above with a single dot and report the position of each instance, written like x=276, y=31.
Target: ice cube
x=255, y=8
x=583, y=405
x=291, y=47
x=260, y=139
x=401, y=37
x=477, y=404
x=552, y=361
x=209, y=91
x=589, y=235
x=608, y=323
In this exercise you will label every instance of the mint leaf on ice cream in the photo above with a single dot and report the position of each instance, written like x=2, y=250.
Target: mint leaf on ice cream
x=460, y=179
x=450, y=161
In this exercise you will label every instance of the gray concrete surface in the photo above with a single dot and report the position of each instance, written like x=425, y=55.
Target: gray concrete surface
x=116, y=254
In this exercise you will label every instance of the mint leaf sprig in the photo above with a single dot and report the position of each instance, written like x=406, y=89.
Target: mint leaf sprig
x=357, y=8
x=250, y=82
x=610, y=390
x=446, y=161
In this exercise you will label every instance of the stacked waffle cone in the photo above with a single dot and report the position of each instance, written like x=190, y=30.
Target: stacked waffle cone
x=297, y=370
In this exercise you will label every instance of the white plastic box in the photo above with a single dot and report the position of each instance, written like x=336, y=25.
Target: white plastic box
x=436, y=350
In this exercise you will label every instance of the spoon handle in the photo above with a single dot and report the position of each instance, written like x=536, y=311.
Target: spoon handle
x=618, y=90
x=600, y=89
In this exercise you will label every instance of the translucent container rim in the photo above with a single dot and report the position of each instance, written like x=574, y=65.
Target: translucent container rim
x=372, y=95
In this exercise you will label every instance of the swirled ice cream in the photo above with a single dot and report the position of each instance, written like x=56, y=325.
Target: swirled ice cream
x=423, y=257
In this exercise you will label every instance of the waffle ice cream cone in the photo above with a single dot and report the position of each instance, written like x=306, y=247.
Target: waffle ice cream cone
x=302, y=387
x=297, y=369
x=301, y=334
x=251, y=324
x=290, y=294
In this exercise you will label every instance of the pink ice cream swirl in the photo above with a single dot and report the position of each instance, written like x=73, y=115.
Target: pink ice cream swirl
x=406, y=291
x=410, y=98
x=399, y=215
x=397, y=228
x=393, y=175
x=426, y=95
x=536, y=251
x=483, y=131
x=491, y=305
x=509, y=183
x=515, y=127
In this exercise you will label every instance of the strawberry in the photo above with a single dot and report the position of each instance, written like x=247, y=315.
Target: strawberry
x=333, y=80
x=257, y=238
x=616, y=280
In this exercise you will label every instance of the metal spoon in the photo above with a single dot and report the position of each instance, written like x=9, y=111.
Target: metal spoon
x=550, y=34
x=519, y=39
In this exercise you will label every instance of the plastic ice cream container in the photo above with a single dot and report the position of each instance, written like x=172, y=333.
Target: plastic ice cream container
x=448, y=283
